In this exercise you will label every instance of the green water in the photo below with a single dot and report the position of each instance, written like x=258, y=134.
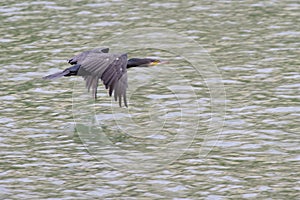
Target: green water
x=175, y=140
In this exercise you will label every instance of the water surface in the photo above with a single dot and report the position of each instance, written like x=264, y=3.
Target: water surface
x=106, y=154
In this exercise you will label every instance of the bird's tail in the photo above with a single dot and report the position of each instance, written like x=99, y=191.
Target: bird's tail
x=57, y=75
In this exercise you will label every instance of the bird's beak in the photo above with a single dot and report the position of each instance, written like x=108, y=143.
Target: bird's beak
x=158, y=62
x=163, y=62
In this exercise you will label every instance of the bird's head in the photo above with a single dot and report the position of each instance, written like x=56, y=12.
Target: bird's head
x=142, y=62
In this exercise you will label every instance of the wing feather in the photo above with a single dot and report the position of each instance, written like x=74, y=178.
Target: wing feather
x=80, y=57
x=111, y=69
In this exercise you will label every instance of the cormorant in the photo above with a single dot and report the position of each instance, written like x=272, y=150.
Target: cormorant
x=111, y=68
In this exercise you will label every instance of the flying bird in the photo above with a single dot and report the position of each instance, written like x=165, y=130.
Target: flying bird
x=111, y=68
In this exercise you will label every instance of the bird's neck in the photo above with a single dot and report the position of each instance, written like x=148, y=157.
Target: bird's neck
x=137, y=62
x=132, y=63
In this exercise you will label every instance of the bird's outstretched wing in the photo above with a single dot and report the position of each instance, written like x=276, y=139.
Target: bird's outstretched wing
x=80, y=57
x=110, y=68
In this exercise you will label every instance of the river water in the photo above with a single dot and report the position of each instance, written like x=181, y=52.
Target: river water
x=219, y=121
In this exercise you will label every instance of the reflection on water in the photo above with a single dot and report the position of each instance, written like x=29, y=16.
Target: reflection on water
x=256, y=48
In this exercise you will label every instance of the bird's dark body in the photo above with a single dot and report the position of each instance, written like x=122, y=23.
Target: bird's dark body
x=98, y=64
x=71, y=71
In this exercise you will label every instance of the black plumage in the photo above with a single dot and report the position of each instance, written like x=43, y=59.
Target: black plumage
x=111, y=68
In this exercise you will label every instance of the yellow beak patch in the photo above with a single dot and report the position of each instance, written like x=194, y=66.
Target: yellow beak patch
x=154, y=63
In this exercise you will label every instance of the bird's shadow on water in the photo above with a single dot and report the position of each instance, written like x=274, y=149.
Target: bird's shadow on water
x=82, y=134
